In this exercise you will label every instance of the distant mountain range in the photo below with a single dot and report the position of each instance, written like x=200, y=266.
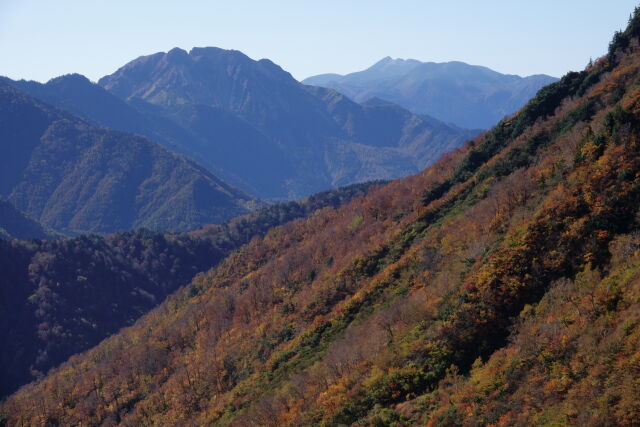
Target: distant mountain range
x=252, y=120
x=500, y=286
x=454, y=92
x=75, y=177
x=252, y=124
x=238, y=121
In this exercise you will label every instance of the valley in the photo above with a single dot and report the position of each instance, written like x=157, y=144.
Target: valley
x=198, y=238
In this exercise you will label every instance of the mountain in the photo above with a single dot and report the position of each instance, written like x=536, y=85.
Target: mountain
x=16, y=225
x=76, y=94
x=470, y=96
x=251, y=119
x=61, y=297
x=500, y=286
x=385, y=68
x=75, y=177
x=246, y=120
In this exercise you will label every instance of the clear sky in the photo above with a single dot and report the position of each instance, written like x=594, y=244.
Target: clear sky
x=40, y=39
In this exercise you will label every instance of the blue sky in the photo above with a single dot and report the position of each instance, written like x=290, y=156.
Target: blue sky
x=40, y=39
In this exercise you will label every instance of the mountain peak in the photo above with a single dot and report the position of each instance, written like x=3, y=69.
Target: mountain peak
x=202, y=76
x=220, y=94
x=209, y=51
x=383, y=61
x=177, y=54
x=206, y=50
x=395, y=63
x=73, y=78
x=469, y=96
x=356, y=313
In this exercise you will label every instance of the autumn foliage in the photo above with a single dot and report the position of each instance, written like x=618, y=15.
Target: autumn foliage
x=498, y=287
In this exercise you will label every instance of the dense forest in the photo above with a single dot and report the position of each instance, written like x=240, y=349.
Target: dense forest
x=75, y=177
x=15, y=224
x=61, y=297
x=500, y=286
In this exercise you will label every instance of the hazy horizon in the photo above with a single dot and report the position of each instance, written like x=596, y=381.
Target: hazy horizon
x=39, y=41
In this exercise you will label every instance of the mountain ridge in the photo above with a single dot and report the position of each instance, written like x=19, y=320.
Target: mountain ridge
x=432, y=88
x=500, y=285
x=217, y=106
x=298, y=132
x=76, y=177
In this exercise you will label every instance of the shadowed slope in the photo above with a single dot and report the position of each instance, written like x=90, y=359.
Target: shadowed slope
x=369, y=314
x=61, y=297
x=75, y=177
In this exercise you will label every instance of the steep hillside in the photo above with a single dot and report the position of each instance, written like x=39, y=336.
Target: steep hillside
x=573, y=358
x=75, y=177
x=61, y=297
x=454, y=92
x=16, y=225
x=76, y=94
x=247, y=120
x=423, y=302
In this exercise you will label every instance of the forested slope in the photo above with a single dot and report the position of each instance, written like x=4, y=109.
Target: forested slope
x=499, y=286
x=60, y=297
x=16, y=225
x=75, y=177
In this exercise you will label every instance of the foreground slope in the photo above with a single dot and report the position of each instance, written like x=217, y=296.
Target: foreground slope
x=60, y=297
x=75, y=177
x=470, y=96
x=400, y=306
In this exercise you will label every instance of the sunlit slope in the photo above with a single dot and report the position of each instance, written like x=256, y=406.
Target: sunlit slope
x=61, y=297
x=378, y=311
